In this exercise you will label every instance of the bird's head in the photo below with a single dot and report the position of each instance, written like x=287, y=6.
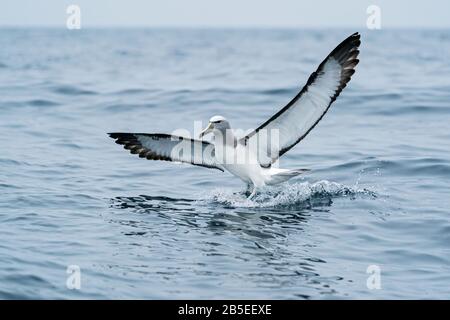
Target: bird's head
x=216, y=123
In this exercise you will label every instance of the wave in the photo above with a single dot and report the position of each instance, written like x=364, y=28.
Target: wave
x=71, y=90
x=286, y=195
x=41, y=103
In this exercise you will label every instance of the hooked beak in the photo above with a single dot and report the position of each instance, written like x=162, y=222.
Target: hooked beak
x=207, y=130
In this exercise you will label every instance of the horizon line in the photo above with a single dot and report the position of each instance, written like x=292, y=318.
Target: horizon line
x=218, y=27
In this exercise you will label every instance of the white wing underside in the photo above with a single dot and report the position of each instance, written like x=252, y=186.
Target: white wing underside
x=292, y=123
x=169, y=148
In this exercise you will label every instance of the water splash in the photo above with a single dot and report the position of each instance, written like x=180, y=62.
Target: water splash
x=287, y=194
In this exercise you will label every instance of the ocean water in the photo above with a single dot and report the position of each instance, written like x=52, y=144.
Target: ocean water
x=377, y=197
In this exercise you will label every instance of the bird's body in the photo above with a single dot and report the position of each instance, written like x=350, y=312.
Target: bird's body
x=247, y=172
x=250, y=171
x=251, y=157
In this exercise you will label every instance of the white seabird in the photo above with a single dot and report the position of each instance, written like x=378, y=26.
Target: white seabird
x=291, y=124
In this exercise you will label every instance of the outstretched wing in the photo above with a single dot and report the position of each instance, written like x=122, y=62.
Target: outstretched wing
x=300, y=116
x=166, y=147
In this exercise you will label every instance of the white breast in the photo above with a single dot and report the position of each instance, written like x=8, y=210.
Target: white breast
x=241, y=163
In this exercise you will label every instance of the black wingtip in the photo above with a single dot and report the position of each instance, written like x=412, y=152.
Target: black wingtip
x=355, y=35
x=120, y=135
x=353, y=40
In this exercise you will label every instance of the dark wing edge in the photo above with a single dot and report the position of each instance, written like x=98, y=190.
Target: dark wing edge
x=346, y=54
x=130, y=141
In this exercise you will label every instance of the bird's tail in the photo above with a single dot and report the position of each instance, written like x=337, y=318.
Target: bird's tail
x=281, y=175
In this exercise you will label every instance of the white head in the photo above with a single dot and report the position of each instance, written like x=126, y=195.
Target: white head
x=216, y=123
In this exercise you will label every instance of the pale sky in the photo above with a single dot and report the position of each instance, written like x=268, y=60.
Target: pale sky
x=227, y=13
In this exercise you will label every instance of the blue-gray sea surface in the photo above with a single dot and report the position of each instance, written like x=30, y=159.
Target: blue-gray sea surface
x=378, y=193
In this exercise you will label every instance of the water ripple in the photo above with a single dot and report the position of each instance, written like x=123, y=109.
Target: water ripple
x=377, y=192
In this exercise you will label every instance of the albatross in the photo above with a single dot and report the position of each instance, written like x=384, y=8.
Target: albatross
x=252, y=156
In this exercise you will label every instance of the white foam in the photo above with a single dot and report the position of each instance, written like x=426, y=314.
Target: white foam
x=285, y=194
